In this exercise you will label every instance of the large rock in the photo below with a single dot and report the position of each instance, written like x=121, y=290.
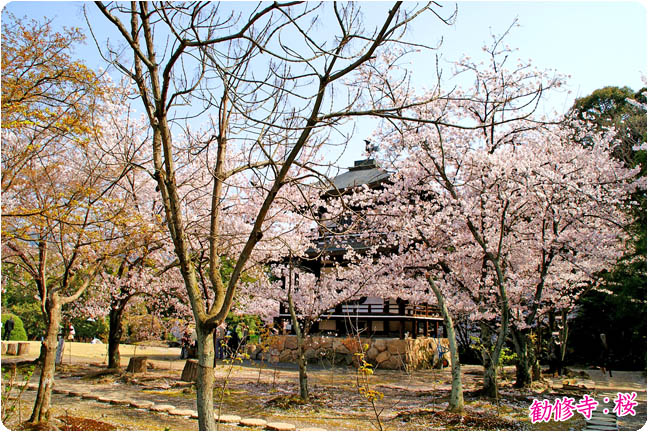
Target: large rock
x=382, y=357
x=287, y=356
x=397, y=346
x=380, y=344
x=291, y=342
x=340, y=348
x=310, y=354
x=394, y=362
x=372, y=353
x=277, y=342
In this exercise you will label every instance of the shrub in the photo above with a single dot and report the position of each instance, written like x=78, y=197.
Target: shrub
x=32, y=318
x=18, y=333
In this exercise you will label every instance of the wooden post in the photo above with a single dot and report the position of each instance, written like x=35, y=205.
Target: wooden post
x=137, y=364
x=190, y=371
x=23, y=348
x=426, y=329
x=12, y=348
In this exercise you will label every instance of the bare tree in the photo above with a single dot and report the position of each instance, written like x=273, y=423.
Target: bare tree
x=273, y=78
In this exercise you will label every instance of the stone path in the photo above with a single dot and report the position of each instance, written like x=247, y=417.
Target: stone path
x=255, y=423
x=604, y=418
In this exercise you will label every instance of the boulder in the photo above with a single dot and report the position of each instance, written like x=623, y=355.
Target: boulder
x=310, y=354
x=380, y=345
x=394, y=362
x=287, y=356
x=372, y=353
x=397, y=346
x=277, y=342
x=382, y=357
x=291, y=342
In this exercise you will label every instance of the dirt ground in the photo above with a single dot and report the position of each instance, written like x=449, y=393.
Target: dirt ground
x=407, y=401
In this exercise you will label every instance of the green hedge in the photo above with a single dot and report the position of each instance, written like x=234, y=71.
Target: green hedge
x=18, y=333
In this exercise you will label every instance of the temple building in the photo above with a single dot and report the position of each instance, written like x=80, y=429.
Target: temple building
x=374, y=319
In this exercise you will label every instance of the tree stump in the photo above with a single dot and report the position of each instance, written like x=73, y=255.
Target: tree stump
x=12, y=348
x=23, y=348
x=190, y=371
x=137, y=364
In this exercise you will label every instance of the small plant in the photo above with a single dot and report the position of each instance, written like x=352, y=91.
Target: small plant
x=8, y=384
x=364, y=371
x=236, y=358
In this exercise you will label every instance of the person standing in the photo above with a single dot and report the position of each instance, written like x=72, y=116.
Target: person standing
x=606, y=355
x=8, y=328
x=219, y=337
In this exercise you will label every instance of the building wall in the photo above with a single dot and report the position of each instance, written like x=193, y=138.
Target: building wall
x=382, y=353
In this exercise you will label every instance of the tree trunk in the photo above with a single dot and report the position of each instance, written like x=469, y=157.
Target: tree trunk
x=456, y=403
x=303, y=377
x=524, y=361
x=301, y=358
x=205, y=379
x=41, y=411
x=490, y=357
x=114, y=338
x=489, y=388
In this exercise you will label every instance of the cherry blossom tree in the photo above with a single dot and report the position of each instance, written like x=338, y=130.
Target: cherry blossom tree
x=479, y=173
x=310, y=296
x=62, y=212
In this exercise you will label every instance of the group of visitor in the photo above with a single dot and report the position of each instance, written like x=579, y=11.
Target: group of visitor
x=228, y=341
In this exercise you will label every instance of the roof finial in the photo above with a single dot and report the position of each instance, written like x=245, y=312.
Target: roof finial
x=370, y=148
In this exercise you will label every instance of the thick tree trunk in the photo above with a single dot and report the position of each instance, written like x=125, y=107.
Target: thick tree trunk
x=205, y=379
x=456, y=403
x=489, y=388
x=525, y=357
x=41, y=411
x=490, y=358
x=114, y=338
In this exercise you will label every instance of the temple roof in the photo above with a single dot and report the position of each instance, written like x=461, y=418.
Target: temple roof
x=362, y=172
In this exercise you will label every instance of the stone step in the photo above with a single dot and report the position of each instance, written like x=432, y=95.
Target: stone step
x=227, y=418
x=279, y=426
x=253, y=422
x=162, y=408
x=183, y=412
x=142, y=404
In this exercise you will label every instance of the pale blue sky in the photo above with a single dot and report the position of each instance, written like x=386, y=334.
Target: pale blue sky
x=596, y=43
